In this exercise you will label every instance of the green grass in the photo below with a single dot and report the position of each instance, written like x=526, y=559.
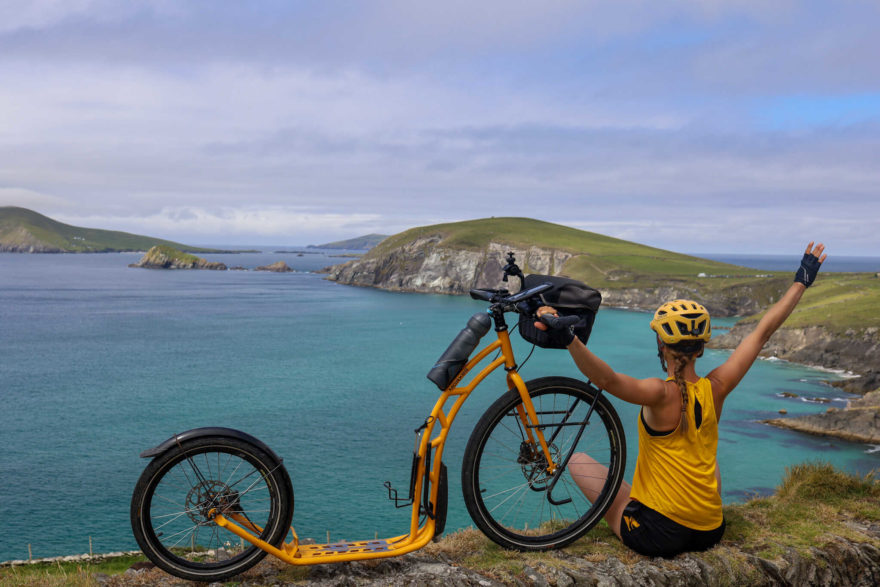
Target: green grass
x=171, y=253
x=19, y=226
x=65, y=573
x=814, y=502
x=840, y=302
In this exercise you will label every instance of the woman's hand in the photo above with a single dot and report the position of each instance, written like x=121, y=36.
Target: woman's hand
x=540, y=312
x=812, y=260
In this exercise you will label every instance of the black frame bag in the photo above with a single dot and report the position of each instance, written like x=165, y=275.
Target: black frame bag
x=569, y=297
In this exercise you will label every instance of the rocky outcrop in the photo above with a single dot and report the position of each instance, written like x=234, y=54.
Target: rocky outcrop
x=855, y=351
x=858, y=422
x=858, y=352
x=738, y=300
x=277, y=267
x=423, y=266
x=841, y=562
x=164, y=257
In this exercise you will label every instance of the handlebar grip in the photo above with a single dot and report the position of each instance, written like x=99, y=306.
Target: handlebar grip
x=486, y=295
x=559, y=322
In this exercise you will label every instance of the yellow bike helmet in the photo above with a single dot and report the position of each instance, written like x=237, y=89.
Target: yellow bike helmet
x=681, y=321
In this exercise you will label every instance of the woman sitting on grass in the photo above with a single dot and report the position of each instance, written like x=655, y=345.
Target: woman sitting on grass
x=674, y=503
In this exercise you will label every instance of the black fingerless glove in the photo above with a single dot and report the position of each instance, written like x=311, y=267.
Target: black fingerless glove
x=808, y=270
x=567, y=333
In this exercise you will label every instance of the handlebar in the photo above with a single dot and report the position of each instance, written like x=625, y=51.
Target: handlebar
x=502, y=297
x=559, y=322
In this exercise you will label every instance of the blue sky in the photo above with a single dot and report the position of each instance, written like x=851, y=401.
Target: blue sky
x=693, y=125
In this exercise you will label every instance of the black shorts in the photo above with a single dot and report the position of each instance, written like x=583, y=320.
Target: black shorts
x=650, y=533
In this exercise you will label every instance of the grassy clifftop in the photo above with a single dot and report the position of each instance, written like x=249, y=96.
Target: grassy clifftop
x=598, y=258
x=26, y=231
x=839, y=302
x=819, y=528
x=450, y=258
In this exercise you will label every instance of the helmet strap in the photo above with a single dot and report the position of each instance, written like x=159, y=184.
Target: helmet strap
x=660, y=347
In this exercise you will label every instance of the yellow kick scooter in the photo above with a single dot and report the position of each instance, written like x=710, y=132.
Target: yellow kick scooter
x=212, y=502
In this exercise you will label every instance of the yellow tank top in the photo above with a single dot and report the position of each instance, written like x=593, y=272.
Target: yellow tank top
x=675, y=472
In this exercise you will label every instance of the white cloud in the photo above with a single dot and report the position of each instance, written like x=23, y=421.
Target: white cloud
x=25, y=198
x=46, y=14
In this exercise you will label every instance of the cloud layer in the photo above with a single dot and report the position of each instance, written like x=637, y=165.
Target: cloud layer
x=691, y=125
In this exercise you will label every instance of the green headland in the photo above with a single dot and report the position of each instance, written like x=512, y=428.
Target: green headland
x=26, y=231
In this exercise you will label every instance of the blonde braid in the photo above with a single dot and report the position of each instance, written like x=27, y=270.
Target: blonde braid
x=681, y=361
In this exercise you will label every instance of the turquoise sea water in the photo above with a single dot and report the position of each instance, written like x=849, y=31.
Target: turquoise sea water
x=99, y=361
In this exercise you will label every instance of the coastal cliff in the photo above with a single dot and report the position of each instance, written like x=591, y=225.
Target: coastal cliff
x=426, y=265
x=854, y=350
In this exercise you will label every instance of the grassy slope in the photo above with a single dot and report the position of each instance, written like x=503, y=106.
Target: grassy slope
x=838, y=302
x=14, y=221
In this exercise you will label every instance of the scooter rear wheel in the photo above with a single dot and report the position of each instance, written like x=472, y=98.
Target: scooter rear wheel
x=181, y=490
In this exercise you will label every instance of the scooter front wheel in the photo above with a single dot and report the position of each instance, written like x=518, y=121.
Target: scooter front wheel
x=180, y=492
x=510, y=491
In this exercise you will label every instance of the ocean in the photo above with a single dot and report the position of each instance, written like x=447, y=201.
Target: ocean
x=99, y=361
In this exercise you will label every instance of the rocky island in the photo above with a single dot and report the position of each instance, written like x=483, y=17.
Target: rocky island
x=276, y=267
x=165, y=257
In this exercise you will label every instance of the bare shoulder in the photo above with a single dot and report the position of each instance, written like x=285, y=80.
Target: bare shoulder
x=644, y=392
x=654, y=391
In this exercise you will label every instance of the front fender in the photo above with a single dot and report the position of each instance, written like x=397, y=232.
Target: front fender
x=209, y=431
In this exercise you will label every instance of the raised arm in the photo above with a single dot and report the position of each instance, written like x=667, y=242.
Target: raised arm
x=725, y=377
x=646, y=392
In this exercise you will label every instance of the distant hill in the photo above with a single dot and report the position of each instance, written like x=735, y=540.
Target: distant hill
x=361, y=243
x=26, y=231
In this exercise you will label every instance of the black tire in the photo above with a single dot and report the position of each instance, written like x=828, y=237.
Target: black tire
x=172, y=499
x=505, y=483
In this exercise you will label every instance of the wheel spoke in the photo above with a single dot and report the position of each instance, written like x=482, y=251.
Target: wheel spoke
x=505, y=478
x=180, y=493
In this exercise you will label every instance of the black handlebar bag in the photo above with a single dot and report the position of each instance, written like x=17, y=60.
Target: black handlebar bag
x=570, y=298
